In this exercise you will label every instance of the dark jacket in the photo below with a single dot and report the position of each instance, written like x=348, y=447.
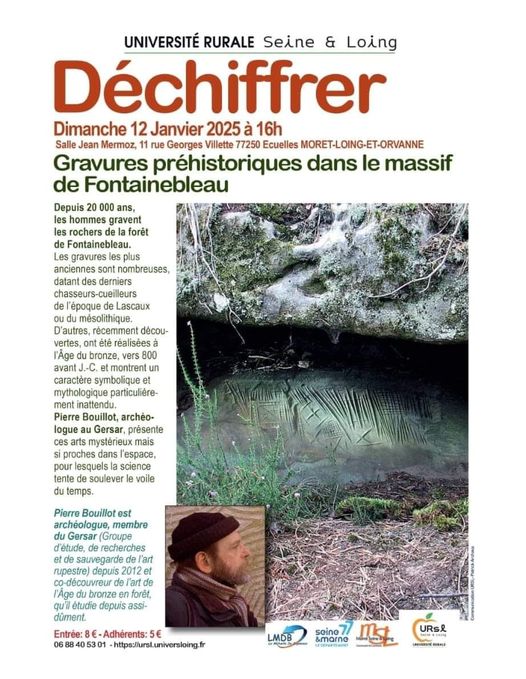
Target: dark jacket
x=187, y=606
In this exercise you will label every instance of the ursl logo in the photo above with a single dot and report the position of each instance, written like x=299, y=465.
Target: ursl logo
x=428, y=632
x=292, y=635
x=334, y=636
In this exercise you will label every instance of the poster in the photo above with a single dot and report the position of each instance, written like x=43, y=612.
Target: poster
x=97, y=455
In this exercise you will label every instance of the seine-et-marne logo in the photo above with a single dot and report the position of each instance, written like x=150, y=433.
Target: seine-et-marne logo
x=337, y=635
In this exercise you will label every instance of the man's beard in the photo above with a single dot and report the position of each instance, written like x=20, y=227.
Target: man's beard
x=228, y=575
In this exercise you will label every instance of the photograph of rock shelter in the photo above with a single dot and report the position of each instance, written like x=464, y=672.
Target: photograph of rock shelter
x=322, y=374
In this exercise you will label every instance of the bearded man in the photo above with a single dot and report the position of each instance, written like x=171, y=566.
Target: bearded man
x=211, y=560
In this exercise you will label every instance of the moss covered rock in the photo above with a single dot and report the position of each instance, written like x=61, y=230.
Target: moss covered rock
x=378, y=270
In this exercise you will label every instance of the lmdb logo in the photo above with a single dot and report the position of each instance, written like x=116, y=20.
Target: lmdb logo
x=292, y=635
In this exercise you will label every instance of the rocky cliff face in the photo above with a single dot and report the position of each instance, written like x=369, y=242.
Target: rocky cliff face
x=372, y=269
x=336, y=426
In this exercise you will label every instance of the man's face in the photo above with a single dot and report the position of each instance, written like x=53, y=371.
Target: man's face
x=229, y=560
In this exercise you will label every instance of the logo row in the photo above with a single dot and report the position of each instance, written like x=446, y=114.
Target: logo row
x=417, y=628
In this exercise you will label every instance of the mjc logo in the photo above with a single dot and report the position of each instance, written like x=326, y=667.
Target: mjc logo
x=376, y=635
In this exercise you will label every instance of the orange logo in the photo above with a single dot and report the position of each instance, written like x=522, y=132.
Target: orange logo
x=424, y=630
x=377, y=636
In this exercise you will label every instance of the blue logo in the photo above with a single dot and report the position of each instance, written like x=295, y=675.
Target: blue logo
x=334, y=635
x=292, y=635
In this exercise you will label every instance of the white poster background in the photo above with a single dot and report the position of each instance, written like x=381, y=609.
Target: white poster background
x=454, y=81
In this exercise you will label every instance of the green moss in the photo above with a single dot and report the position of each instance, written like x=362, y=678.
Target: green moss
x=446, y=523
x=332, y=312
x=398, y=244
x=367, y=509
x=443, y=514
x=406, y=208
x=315, y=286
x=462, y=506
x=281, y=213
x=393, y=234
x=274, y=212
x=245, y=257
x=394, y=263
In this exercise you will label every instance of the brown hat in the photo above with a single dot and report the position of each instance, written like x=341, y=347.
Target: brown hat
x=198, y=531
